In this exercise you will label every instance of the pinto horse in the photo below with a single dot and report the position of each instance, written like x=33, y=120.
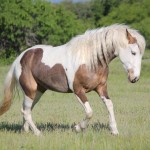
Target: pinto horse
x=79, y=66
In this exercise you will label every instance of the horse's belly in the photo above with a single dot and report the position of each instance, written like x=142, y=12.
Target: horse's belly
x=52, y=78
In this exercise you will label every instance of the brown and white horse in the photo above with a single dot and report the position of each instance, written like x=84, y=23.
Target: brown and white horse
x=79, y=66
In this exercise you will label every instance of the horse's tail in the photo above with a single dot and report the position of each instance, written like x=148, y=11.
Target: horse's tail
x=9, y=87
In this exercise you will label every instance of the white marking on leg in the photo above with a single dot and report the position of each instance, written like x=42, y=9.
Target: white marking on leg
x=88, y=110
x=112, y=121
x=25, y=123
x=25, y=126
x=27, y=114
x=83, y=124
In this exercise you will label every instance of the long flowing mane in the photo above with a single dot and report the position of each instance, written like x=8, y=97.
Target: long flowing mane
x=100, y=44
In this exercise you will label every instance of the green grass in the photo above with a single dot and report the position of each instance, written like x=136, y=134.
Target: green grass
x=56, y=113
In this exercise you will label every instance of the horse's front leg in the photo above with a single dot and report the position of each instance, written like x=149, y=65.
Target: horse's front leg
x=84, y=102
x=102, y=91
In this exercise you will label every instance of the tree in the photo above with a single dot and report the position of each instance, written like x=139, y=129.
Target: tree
x=14, y=22
x=24, y=23
x=66, y=27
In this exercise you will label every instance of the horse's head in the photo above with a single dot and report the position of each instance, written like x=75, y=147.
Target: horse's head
x=131, y=58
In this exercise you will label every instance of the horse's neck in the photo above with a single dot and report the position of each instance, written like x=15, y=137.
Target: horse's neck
x=107, y=57
x=111, y=57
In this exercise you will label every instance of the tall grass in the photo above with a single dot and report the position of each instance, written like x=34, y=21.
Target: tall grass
x=56, y=113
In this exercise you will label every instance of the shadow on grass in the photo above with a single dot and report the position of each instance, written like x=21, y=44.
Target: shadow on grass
x=16, y=127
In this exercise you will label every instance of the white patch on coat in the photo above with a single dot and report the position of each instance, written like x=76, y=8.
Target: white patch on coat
x=60, y=55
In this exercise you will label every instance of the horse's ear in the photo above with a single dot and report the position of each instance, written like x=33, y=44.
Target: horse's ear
x=130, y=38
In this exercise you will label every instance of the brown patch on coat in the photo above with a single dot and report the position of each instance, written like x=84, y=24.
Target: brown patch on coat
x=130, y=38
x=86, y=80
x=38, y=76
x=102, y=90
x=26, y=79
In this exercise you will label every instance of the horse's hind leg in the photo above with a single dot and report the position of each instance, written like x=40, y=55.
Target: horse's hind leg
x=26, y=110
x=29, y=87
x=36, y=99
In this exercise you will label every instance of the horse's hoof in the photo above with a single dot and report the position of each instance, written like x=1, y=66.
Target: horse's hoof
x=77, y=128
x=38, y=133
x=115, y=132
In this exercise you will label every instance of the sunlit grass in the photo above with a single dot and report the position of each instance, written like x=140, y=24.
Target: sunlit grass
x=56, y=113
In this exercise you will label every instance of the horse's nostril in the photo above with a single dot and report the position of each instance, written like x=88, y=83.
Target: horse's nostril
x=135, y=80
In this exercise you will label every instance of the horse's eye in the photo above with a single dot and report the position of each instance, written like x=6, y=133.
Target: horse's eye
x=133, y=53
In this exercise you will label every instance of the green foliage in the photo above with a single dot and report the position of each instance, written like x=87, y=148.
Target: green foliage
x=14, y=22
x=100, y=8
x=66, y=26
x=24, y=23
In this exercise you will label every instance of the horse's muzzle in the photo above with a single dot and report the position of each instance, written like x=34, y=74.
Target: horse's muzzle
x=133, y=80
x=131, y=76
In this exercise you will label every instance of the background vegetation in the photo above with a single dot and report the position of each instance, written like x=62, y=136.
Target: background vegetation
x=24, y=23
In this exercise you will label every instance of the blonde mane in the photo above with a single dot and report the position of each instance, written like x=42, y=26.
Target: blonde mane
x=101, y=44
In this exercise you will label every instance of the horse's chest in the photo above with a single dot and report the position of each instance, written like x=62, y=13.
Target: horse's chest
x=88, y=80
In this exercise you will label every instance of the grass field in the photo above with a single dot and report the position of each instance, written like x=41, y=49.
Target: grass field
x=56, y=113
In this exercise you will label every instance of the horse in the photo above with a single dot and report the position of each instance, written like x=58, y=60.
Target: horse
x=79, y=66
